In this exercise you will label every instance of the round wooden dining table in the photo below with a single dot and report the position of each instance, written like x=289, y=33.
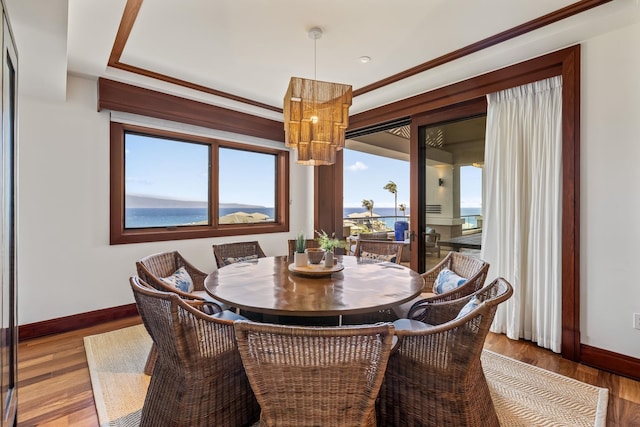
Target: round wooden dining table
x=266, y=285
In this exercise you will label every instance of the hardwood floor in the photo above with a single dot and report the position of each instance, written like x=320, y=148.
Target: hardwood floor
x=54, y=388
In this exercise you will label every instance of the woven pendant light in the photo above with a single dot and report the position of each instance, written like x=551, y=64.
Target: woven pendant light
x=316, y=115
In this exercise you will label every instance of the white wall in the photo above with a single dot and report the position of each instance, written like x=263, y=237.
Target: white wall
x=440, y=195
x=610, y=191
x=66, y=265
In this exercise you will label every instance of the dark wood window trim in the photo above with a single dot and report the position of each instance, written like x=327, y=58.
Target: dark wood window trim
x=565, y=62
x=117, y=96
x=119, y=234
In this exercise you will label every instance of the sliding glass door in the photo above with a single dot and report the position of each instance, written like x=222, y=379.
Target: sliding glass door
x=446, y=168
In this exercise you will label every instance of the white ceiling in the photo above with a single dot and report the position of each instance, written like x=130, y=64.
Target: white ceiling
x=251, y=48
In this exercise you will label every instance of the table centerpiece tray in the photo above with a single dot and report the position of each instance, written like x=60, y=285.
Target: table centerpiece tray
x=315, y=270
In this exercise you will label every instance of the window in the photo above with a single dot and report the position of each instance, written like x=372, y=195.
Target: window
x=166, y=182
x=168, y=186
x=248, y=193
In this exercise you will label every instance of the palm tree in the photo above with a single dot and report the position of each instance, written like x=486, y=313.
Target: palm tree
x=393, y=188
x=368, y=205
x=402, y=208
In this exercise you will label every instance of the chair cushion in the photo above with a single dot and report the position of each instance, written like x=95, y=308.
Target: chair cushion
x=229, y=315
x=469, y=307
x=411, y=325
x=447, y=281
x=233, y=260
x=377, y=257
x=205, y=296
x=180, y=280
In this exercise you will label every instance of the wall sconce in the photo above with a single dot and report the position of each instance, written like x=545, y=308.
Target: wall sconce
x=440, y=182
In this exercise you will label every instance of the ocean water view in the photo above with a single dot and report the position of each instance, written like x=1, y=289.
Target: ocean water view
x=166, y=217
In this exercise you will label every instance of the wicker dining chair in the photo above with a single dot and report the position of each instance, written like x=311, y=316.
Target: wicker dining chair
x=379, y=250
x=376, y=251
x=198, y=378
x=472, y=268
x=229, y=253
x=309, y=243
x=152, y=269
x=434, y=376
x=315, y=376
x=205, y=306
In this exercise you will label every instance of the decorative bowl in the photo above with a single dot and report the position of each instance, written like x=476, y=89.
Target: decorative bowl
x=315, y=255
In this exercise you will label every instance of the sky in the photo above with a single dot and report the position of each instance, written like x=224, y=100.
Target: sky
x=470, y=187
x=165, y=168
x=176, y=170
x=169, y=169
x=365, y=176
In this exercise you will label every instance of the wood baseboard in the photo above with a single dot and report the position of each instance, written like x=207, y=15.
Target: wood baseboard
x=77, y=321
x=609, y=361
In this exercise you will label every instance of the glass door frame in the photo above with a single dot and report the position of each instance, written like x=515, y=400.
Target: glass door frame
x=418, y=167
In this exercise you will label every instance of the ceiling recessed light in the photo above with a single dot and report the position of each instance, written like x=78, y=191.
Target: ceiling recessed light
x=365, y=59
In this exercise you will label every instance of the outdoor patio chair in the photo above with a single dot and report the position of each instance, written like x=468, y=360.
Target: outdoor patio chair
x=229, y=253
x=315, y=376
x=473, y=269
x=431, y=239
x=434, y=376
x=374, y=235
x=198, y=378
x=379, y=251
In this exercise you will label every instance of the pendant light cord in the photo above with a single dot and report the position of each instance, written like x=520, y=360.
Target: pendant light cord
x=315, y=33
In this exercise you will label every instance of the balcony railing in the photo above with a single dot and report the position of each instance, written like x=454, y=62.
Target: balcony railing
x=386, y=223
x=376, y=223
x=472, y=222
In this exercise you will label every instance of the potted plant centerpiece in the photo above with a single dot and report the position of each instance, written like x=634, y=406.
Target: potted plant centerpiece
x=329, y=243
x=300, y=256
x=315, y=255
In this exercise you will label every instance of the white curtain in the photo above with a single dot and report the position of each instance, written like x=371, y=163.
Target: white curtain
x=521, y=236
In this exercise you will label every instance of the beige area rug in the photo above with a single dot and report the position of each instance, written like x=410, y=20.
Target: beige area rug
x=523, y=395
x=116, y=363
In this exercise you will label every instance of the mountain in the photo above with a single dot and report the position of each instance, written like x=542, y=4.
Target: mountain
x=141, y=201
